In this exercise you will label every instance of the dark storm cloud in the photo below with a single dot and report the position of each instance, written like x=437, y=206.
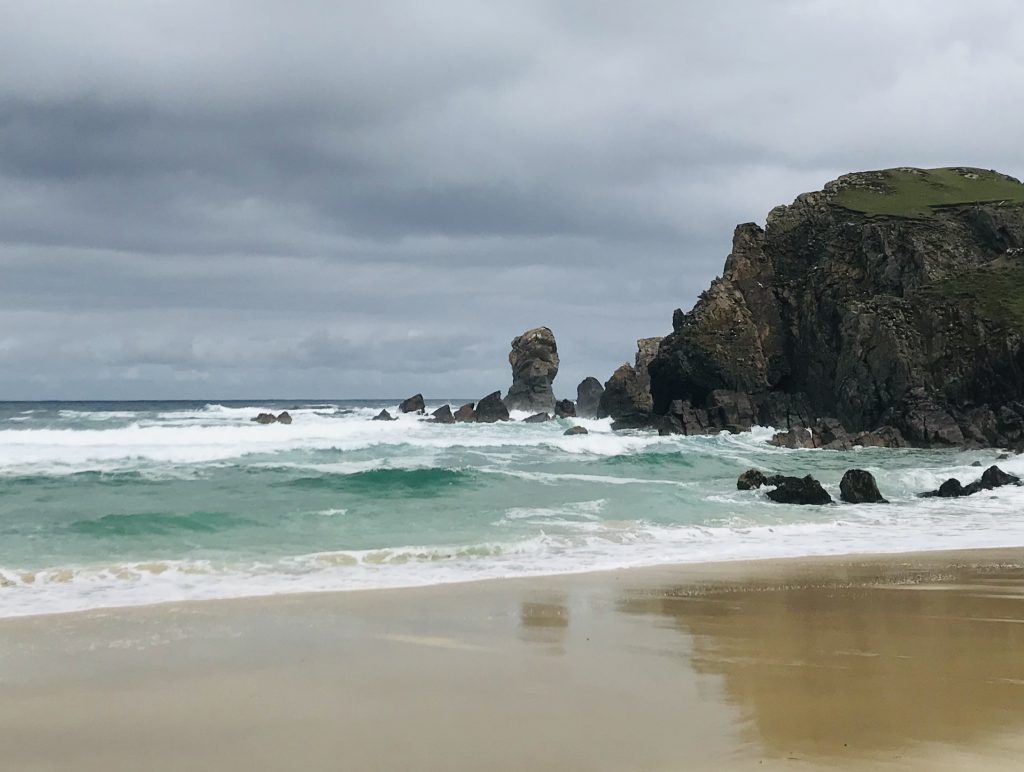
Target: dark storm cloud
x=339, y=199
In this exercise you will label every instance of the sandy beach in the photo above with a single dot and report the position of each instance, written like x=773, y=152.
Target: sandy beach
x=901, y=662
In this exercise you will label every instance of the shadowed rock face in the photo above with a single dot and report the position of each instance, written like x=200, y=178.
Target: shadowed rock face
x=534, y=360
x=588, y=397
x=491, y=409
x=413, y=404
x=627, y=394
x=887, y=299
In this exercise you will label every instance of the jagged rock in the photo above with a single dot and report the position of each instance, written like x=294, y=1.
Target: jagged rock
x=625, y=400
x=534, y=360
x=888, y=299
x=565, y=408
x=575, y=430
x=799, y=490
x=646, y=350
x=537, y=418
x=993, y=477
x=265, y=418
x=384, y=415
x=858, y=486
x=413, y=405
x=443, y=415
x=284, y=417
x=588, y=397
x=465, y=414
x=491, y=409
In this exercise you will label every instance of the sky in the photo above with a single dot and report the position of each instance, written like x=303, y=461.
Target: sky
x=243, y=199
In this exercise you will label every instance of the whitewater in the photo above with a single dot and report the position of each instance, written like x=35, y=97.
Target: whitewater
x=121, y=504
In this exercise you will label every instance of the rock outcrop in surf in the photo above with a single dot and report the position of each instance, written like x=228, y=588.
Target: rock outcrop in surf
x=534, y=360
x=588, y=397
x=889, y=302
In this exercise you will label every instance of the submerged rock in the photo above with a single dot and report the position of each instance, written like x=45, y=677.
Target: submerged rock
x=799, y=490
x=751, y=479
x=413, y=405
x=858, y=486
x=793, y=439
x=443, y=415
x=575, y=430
x=537, y=418
x=588, y=397
x=755, y=478
x=491, y=409
x=534, y=360
x=384, y=415
x=465, y=414
x=991, y=478
x=565, y=408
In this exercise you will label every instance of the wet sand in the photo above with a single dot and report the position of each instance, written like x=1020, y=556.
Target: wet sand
x=886, y=662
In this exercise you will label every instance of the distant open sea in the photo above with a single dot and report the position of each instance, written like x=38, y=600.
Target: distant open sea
x=128, y=503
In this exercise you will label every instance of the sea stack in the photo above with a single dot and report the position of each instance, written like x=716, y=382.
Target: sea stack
x=534, y=360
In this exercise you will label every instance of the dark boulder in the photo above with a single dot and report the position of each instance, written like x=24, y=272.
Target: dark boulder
x=858, y=487
x=565, y=408
x=443, y=415
x=491, y=409
x=534, y=360
x=993, y=477
x=413, y=405
x=799, y=490
x=465, y=414
x=265, y=418
x=751, y=479
x=537, y=418
x=384, y=415
x=284, y=417
x=575, y=430
x=588, y=397
x=625, y=400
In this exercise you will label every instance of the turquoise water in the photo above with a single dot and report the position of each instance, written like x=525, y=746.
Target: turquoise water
x=107, y=504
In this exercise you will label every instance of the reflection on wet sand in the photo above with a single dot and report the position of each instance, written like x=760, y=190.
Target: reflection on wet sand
x=545, y=622
x=863, y=667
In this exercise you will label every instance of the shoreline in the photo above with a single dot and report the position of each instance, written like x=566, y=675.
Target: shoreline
x=902, y=661
x=695, y=568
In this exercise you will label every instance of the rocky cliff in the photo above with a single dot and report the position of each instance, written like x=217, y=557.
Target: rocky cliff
x=889, y=298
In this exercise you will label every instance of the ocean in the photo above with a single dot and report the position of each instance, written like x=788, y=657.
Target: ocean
x=106, y=504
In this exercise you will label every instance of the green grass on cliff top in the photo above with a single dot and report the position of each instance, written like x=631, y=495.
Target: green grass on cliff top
x=909, y=192
x=995, y=291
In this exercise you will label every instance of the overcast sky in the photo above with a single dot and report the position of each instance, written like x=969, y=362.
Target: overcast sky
x=216, y=199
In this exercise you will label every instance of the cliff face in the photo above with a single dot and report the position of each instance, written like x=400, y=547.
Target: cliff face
x=888, y=298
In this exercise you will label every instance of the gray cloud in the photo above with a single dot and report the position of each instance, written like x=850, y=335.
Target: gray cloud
x=344, y=200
